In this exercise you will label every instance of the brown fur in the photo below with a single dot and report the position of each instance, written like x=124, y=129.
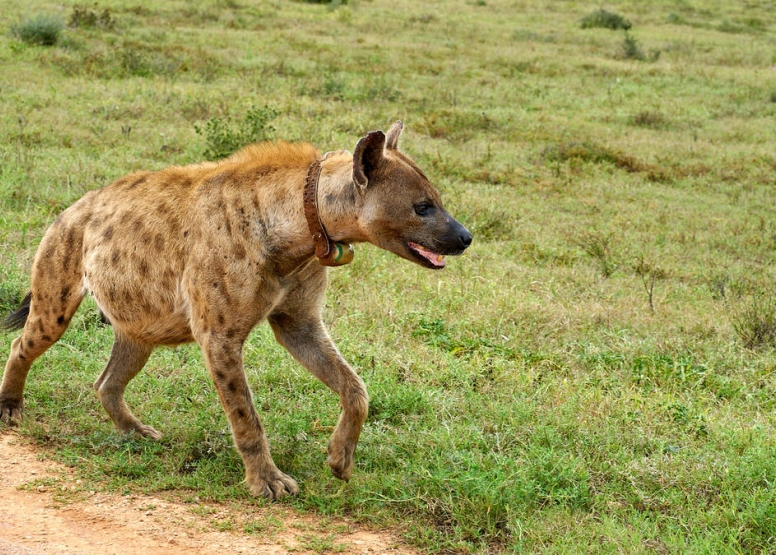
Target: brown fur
x=204, y=253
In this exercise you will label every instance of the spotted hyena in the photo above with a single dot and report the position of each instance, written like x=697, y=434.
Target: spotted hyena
x=205, y=252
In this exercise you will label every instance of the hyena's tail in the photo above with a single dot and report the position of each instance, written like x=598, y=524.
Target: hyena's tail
x=16, y=320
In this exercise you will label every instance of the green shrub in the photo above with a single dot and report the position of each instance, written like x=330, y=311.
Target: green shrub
x=223, y=136
x=42, y=30
x=632, y=51
x=606, y=20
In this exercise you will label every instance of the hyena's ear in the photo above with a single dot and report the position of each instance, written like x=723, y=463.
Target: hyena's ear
x=392, y=137
x=367, y=156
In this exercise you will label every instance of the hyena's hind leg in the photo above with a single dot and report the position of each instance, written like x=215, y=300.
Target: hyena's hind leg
x=44, y=317
x=126, y=359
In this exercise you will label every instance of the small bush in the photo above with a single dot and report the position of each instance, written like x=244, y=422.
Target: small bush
x=223, y=136
x=606, y=20
x=675, y=19
x=632, y=51
x=755, y=322
x=42, y=30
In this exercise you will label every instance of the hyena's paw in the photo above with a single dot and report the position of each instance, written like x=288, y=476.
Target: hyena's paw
x=340, y=458
x=272, y=486
x=142, y=429
x=148, y=431
x=10, y=411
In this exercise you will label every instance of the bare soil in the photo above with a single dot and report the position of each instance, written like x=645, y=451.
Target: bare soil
x=44, y=509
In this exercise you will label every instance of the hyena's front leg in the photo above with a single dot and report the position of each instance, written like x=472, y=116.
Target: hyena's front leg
x=305, y=337
x=224, y=360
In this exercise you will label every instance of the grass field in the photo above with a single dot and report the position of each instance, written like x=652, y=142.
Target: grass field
x=597, y=374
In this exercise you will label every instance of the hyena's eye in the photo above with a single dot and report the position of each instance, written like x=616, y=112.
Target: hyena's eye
x=422, y=208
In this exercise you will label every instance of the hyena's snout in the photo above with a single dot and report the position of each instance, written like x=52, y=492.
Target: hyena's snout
x=455, y=239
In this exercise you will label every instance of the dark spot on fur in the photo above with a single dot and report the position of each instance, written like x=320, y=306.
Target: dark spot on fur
x=60, y=320
x=41, y=327
x=221, y=319
x=115, y=257
x=240, y=414
x=228, y=227
x=232, y=386
x=239, y=251
x=137, y=182
x=108, y=233
x=186, y=233
x=159, y=242
x=70, y=239
x=143, y=267
x=45, y=337
x=30, y=344
x=22, y=357
x=64, y=294
x=215, y=285
x=219, y=375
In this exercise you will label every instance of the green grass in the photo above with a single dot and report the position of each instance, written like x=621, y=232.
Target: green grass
x=597, y=374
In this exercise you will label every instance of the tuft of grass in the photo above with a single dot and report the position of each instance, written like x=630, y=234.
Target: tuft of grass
x=86, y=17
x=223, y=136
x=755, y=322
x=583, y=151
x=40, y=30
x=599, y=247
x=650, y=119
x=604, y=19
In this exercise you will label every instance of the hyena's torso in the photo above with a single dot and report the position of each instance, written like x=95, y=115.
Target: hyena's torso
x=155, y=244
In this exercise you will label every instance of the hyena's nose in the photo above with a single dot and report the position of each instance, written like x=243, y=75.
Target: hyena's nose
x=465, y=237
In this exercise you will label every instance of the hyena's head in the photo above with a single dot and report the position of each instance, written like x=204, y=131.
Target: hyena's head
x=401, y=211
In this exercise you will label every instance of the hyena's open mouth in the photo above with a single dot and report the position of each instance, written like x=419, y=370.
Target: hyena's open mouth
x=436, y=260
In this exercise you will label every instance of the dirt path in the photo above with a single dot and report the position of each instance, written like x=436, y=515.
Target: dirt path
x=34, y=520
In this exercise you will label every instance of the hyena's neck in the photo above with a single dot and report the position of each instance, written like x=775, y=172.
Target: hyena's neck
x=338, y=200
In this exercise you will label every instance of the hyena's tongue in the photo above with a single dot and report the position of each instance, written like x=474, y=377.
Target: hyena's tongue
x=437, y=260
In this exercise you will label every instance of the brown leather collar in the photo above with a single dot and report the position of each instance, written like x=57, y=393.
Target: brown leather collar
x=328, y=252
